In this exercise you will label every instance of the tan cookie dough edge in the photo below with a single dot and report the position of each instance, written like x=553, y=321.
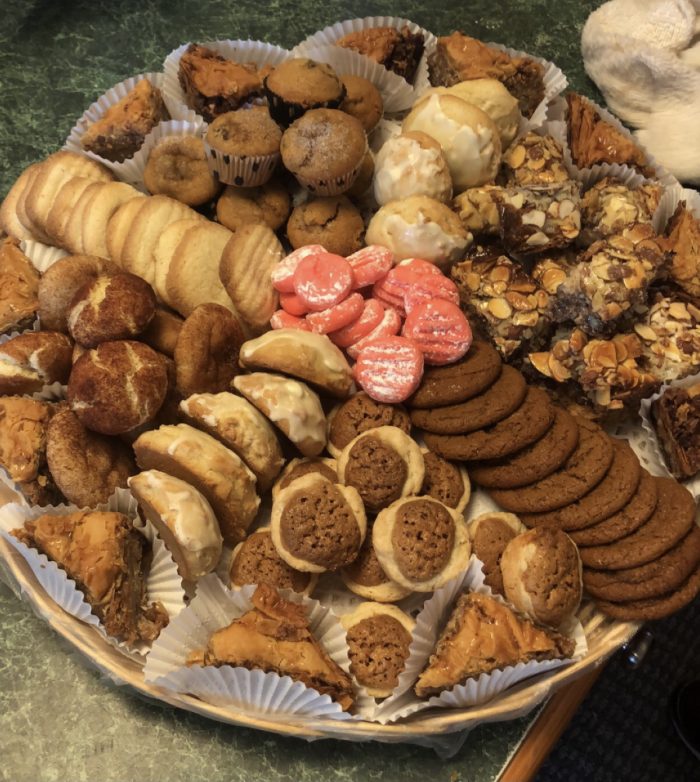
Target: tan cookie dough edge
x=467, y=494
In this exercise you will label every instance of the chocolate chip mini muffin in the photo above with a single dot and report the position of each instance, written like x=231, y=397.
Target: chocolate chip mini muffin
x=269, y=204
x=383, y=465
x=324, y=150
x=334, y=223
x=362, y=101
x=297, y=468
x=490, y=533
x=378, y=638
x=300, y=84
x=445, y=481
x=33, y=359
x=421, y=543
x=358, y=414
x=542, y=578
x=318, y=526
x=177, y=167
x=256, y=561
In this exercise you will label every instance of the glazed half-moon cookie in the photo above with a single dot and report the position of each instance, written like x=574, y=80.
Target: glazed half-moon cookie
x=290, y=404
x=256, y=561
x=421, y=543
x=318, y=526
x=297, y=468
x=383, y=464
x=490, y=533
x=240, y=427
x=379, y=638
x=303, y=354
x=213, y=469
x=358, y=414
x=445, y=481
x=183, y=518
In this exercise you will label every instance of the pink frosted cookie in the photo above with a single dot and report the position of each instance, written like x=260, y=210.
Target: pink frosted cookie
x=292, y=304
x=337, y=317
x=389, y=369
x=323, y=280
x=370, y=317
x=370, y=264
x=427, y=287
x=388, y=326
x=283, y=274
x=440, y=329
x=283, y=320
x=394, y=288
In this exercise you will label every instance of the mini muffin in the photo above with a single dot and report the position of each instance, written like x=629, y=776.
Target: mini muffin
x=379, y=638
x=256, y=561
x=383, y=464
x=490, y=533
x=318, y=526
x=324, y=150
x=87, y=467
x=334, y=223
x=306, y=355
x=542, y=575
x=206, y=464
x=117, y=386
x=297, y=468
x=421, y=543
x=34, y=359
x=244, y=146
x=269, y=204
x=291, y=405
x=184, y=520
x=358, y=414
x=366, y=577
x=362, y=101
x=177, y=167
x=363, y=180
x=445, y=481
x=110, y=307
x=300, y=84
x=239, y=426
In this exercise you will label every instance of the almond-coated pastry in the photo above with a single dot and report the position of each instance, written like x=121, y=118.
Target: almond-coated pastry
x=19, y=287
x=33, y=359
x=87, y=467
x=303, y=354
x=206, y=464
x=117, y=386
x=105, y=308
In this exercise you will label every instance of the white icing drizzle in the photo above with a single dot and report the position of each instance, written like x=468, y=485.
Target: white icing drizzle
x=287, y=340
x=403, y=168
x=422, y=238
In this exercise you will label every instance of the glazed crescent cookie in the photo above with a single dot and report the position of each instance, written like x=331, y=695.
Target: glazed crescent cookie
x=296, y=468
x=421, y=543
x=303, y=354
x=383, y=464
x=318, y=526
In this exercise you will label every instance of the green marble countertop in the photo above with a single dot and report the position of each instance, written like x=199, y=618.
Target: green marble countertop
x=59, y=720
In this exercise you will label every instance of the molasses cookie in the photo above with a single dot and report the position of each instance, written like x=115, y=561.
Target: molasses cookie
x=445, y=481
x=333, y=222
x=383, y=465
x=256, y=561
x=269, y=204
x=421, y=543
x=379, y=638
x=358, y=414
x=490, y=533
x=584, y=469
x=297, y=468
x=318, y=526
x=177, y=167
x=498, y=401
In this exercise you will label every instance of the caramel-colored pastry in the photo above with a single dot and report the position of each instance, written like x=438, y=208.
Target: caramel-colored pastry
x=676, y=418
x=34, y=359
x=397, y=50
x=484, y=635
x=19, y=288
x=274, y=636
x=682, y=241
x=610, y=206
x=534, y=161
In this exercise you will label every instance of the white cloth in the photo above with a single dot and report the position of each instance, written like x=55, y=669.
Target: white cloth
x=644, y=55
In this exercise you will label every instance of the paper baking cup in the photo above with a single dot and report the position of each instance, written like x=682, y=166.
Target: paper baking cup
x=331, y=187
x=51, y=392
x=41, y=255
x=98, y=109
x=244, y=170
x=672, y=196
x=329, y=35
x=215, y=607
x=163, y=583
x=257, y=52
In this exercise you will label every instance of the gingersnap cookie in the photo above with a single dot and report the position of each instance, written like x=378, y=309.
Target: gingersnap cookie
x=654, y=607
x=533, y=463
x=626, y=520
x=458, y=382
x=379, y=638
x=421, y=543
x=445, y=481
x=256, y=561
x=609, y=496
x=297, y=468
x=656, y=578
x=671, y=521
x=316, y=525
x=359, y=414
x=490, y=533
x=584, y=469
x=177, y=167
x=497, y=402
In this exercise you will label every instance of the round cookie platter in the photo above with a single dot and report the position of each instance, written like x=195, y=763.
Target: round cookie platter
x=603, y=635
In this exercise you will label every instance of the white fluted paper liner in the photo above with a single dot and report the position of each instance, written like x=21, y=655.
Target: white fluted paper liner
x=653, y=458
x=215, y=607
x=672, y=196
x=98, y=109
x=51, y=392
x=41, y=255
x=385, y=130
x=257, y=52
x=329, y=35
x=243, y=170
